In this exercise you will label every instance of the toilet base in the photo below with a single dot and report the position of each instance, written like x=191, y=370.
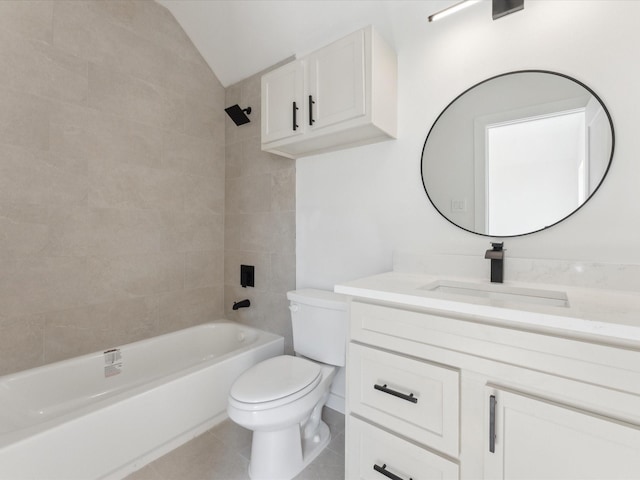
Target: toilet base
x=282, y=454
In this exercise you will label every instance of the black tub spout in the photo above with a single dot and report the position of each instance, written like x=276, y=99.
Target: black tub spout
x=241, y=304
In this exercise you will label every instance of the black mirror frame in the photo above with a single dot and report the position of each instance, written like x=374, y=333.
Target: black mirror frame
x=613, y=144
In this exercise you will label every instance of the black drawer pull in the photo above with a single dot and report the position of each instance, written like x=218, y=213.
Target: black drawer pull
x=383, y=470
x=311, y=104
x=295, y=121
x=492, y=423
x=404, y=396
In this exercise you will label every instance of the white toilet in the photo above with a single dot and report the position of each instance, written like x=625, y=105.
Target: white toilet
x=281, y=398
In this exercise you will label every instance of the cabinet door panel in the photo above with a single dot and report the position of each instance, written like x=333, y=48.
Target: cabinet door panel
x=280, y=88
x=336, y=82
x=539, y=439
x=368, y=446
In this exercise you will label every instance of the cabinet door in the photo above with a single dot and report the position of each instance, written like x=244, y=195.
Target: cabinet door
x=283, y=109
x=539, y=439
x=336, y=82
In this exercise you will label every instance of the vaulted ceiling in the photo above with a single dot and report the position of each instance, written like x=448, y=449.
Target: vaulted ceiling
x=239, y=38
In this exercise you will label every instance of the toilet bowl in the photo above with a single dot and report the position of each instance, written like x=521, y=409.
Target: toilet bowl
x=288, y=432
x=281, y=399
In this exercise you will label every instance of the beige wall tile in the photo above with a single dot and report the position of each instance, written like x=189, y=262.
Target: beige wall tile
x=35, y=285
x=91, y=328
x=190, y=307
x=259, y=220
x=108, y=89
x=25, y=230
x=203, y=119
x=35, y=177
x=283, y=272
x=204, y=193
x=112, y=165
x=119, y=185
x=248, y=194
x=43, y=231
x=33, y=66
x=193, y=155
x=248, y=232
x=31, y=19
x=233, y=157
x=201, y=231
x=204, y=269
x=124, y=231
x=24, y=119
x=80, y=132
x=125, y=277
x=21, y=343
x=69, y=232
x=283, y=190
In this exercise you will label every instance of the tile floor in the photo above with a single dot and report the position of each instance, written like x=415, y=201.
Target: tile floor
x=222, y=453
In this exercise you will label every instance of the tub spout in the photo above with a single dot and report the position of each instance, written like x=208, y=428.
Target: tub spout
x=241, y=304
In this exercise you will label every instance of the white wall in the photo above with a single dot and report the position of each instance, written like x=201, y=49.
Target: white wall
x=355, y=207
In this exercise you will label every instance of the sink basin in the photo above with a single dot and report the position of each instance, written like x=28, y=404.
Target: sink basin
x=500, y=292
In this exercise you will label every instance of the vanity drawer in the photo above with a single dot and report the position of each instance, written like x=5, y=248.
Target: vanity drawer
x=374, y=453
x=417, y=399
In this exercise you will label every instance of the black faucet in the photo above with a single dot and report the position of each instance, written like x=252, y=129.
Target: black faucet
x=241, y=304
x=496, y=254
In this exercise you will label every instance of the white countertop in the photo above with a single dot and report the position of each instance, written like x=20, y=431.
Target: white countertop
x=607, y=316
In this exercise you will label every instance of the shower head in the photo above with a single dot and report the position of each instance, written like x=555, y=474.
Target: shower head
x=238, y=115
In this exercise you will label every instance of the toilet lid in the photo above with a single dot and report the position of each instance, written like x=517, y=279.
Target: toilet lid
x=274, y=378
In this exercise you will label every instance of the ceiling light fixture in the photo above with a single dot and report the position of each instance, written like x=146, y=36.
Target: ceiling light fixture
x=500, y=8
x=452, y=9
x=505, y=7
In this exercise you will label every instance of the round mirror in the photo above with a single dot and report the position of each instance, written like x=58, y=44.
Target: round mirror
x=517, y=153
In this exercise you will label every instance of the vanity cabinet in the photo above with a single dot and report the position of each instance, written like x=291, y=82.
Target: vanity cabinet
x=340, y=96
x=492, y=401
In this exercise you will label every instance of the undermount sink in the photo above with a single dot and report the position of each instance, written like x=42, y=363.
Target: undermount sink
x=536, y=296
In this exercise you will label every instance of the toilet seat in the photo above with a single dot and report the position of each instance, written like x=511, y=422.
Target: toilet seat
x=274, y=382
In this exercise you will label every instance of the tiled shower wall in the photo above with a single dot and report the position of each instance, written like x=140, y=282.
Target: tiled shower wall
x=112, y=160
x=260, y=230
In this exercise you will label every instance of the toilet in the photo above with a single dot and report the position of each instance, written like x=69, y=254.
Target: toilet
x=281, y=399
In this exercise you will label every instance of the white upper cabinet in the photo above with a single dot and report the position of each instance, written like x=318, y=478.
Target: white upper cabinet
x=337, y=97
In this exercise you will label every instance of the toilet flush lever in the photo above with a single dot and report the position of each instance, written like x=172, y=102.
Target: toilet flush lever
x=294, y=308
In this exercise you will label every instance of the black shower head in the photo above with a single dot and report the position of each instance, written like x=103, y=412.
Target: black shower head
x=237, y=114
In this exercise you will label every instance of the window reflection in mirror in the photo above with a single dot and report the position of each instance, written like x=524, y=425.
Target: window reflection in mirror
x=517, y=153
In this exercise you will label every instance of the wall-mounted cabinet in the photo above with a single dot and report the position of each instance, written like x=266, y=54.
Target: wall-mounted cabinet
x=340, y=96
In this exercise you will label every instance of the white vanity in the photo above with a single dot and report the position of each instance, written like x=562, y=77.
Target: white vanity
x=460, y=378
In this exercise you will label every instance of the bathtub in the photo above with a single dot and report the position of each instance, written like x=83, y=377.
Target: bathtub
x=107, y=414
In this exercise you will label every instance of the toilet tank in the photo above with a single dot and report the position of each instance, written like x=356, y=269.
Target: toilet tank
x=319, y=322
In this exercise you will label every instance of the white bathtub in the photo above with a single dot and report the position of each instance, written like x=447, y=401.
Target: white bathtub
x=100, y=416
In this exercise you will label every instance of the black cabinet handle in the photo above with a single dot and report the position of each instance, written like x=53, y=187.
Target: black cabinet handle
x=311, y=103
x=295, y=122
x=383, y=470
x=492, y=423
x=395, y=393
